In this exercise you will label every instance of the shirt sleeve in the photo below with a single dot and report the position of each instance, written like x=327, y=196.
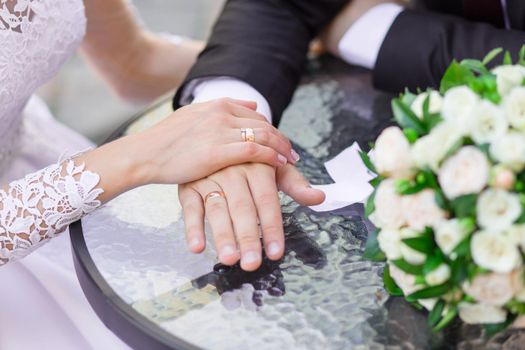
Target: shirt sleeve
x=360, y=45
x=208, y=89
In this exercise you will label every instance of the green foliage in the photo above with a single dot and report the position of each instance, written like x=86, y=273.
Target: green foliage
x=408, y=268
x=370, y=205
x=464, y=206
x=436, y=314
x=456, y=75
x=390, y=285
x=507, y=59
x=493, y=54
x=372, y=250
x=492, y=329
x=367, y=162
x=430, y=292
x=406, y=118
x=424, y=243
x=447, y=319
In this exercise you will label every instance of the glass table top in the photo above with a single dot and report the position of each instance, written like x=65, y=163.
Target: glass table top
x=322, y=295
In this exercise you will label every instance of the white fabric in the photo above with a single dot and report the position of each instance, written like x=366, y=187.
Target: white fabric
x=208, y=89
x=41, y=302
x=361, y=43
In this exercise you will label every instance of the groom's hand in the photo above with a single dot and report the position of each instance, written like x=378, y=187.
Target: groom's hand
x=250, y=198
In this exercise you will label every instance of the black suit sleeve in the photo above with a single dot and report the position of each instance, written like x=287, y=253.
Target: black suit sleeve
x=264, y=43
x=420, y=46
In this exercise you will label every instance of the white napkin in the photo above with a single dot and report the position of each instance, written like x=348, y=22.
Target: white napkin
x=351, y=179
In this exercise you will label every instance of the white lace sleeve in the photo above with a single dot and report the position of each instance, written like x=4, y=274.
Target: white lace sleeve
x=42, y=205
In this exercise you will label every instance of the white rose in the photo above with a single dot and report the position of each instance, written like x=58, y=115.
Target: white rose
x=492, y=289
x=392, y=154
x=431, y=149
x=497, y=209
x=495, y=251
x=448, y=234
x=438, y=276
x=510, y=150
x=421, y=210
x=502, y=178
x=514, y=106
x=517, y=234
x=406, y=282
x=410, y=255
x=481, y=313
x=390, y=243
x=508, y=77
x=465, y=172
x=488, y=123
x=434, y=106
x=458, y=104
x=388, y=212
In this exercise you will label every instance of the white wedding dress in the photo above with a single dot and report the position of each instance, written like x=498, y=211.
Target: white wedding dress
x=41, y=303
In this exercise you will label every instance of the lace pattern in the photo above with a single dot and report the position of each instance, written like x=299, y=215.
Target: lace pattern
x=15, y=14
x=41, y=206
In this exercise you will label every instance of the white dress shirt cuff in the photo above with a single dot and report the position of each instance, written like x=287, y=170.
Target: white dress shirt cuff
x=208, y=89
x=361, y=43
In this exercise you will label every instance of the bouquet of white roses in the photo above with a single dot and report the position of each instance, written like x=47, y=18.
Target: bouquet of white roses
x=449, y=199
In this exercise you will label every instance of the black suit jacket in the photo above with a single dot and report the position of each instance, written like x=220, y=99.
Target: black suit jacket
x=422, y=42
x=264, y=43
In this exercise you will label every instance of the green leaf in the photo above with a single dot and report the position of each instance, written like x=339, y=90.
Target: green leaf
x=408, y=268
x=424, y=244
x=411, y=135
x=475, y=66
x=447, y=319
x=376, y=181
x=367, y=162
x=370, y=206
x=456, y=75
x=458, y=271
x=493, y=329
x=430, y=292
x=436, y=313
x=408, y=188
x=441, y=200
x=492, y=55
x=507, y=59
x=521, y=56
x=463, y=248
x=408, y=98
x=433, y=262
x=465, y=206
x=372, y=250
x=390, y=285
x=406, y=118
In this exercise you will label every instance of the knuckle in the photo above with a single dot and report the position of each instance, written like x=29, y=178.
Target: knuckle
x=250, y=149
x=247, y=240
x=214, y=207
x=267, y=199
x=264, y=136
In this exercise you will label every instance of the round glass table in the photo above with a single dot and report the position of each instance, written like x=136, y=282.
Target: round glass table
x=134, y=267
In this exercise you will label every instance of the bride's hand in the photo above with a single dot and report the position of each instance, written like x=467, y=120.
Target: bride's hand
x=194, y=142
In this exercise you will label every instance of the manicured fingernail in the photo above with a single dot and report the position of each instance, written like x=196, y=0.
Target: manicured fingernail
x=250, y=258
x=227, y=250
x=295, y=156
x=282, y=160
x=194, y=243
x=273, y=248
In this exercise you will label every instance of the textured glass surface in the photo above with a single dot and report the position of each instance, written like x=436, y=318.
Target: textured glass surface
x=322, y=295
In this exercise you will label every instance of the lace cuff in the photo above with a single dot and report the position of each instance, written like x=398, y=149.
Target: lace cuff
x=42, y=205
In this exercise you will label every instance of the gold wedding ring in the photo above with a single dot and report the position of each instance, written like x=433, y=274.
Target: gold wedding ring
x=248, y=135
x=212, y=195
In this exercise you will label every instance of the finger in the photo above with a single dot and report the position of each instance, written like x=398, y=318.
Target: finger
x=244, y=217
x=219, y=219
x=264, y=191
x=291, y=182
x=241, y=111
x=248, y=104
x=266, y=138
x=193, y=209
x=245, y=152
